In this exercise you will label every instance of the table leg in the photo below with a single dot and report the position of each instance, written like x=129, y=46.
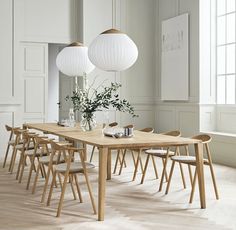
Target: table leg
x=199, y=166
x=109, y=165
x=103, y=152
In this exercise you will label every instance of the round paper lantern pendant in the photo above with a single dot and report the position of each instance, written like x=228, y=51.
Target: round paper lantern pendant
x=113, y=50
x=73, y=60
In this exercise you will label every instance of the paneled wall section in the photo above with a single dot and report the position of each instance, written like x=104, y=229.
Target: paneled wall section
x=35, y=76
x=175, y=114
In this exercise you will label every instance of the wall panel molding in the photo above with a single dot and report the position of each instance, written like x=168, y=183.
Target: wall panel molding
x=183, y=117
x=6, y=117
x=34, y=60
x=35, y=78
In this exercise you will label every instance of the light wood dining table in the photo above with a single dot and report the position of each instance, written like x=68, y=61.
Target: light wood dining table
x=105, y=144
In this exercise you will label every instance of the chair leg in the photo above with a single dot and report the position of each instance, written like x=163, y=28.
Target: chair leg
x=182, y=174
x=22, y=168
x=13, y=161
x=122, y=162
x=62, y=193
x=193, y=187
x=132, y=154
x=60, y=181
x=125, y=164
x=170, y=177
x=154, y=166
x=51, y=188
x=163, y=172
x=163, y=163
x=55, y=180
x=72, y=186
x=214, y=180
x=36, y=178
x=78, y=188
x=32, y=166
x=141, y=162
x=19, y=165
x=117, y=159
x=145, y=168
x=90, y=192
x=42, y=169
x=190, y=174
x=91, y=157
x=121, y=157
x=6, y=155
x=46, y=182
x=136, y=166
x=12, y=156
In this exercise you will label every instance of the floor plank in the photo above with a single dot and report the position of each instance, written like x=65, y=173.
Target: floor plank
x=129, y=205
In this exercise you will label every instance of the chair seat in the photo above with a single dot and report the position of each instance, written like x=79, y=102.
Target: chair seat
x=186, y=159
x=159, y=152
x=20, y=146
x=74, y=167
x=45, y=159
x=31, y=152
x=12, y=142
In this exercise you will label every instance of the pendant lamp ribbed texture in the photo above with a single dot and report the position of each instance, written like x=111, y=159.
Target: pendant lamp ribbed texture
x=73, y=60
x=113, y=50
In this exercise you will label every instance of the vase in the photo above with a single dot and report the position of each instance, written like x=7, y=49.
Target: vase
x=88, y=122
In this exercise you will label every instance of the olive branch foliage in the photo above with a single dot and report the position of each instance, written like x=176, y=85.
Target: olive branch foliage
x=90, y=100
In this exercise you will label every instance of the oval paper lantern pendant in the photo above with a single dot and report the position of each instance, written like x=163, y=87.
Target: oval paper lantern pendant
x=73, y=60
x=113, y=50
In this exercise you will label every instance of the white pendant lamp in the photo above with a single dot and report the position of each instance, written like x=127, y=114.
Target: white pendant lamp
x=113, y=50
x=73, y=60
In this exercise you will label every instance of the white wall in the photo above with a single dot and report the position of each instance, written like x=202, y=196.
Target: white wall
x=137, y=82
x=179, y=115
x=199, y=114
x=98, y=16
x=9, y=100
x=23, y=96
x=27, y=26
x=53, y=84
x=48, y=21
x=138, y=20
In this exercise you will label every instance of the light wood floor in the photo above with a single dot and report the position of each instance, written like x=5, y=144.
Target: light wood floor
x=129, y=205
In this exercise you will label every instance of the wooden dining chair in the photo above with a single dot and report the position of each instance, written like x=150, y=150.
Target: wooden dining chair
x=191, y=161
x=138, y=151
x=11, y=141
x=41, y=149
x=18, y=147
x=70, y=169
x=28, y=144
x=164, y=154
x=29, y=153
x=46, y=161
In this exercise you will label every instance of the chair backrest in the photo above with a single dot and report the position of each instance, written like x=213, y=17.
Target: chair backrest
x=205, y=138
x=18, y=134
x=113, y=124
x=67, y=151
x=129, y=126
x=8, y=128
x=147, y=130
x=174, y=133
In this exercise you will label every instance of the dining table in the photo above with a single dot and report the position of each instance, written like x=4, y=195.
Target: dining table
x=105, y=144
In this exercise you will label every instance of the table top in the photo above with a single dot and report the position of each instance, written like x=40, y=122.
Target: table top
x=96, y=137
